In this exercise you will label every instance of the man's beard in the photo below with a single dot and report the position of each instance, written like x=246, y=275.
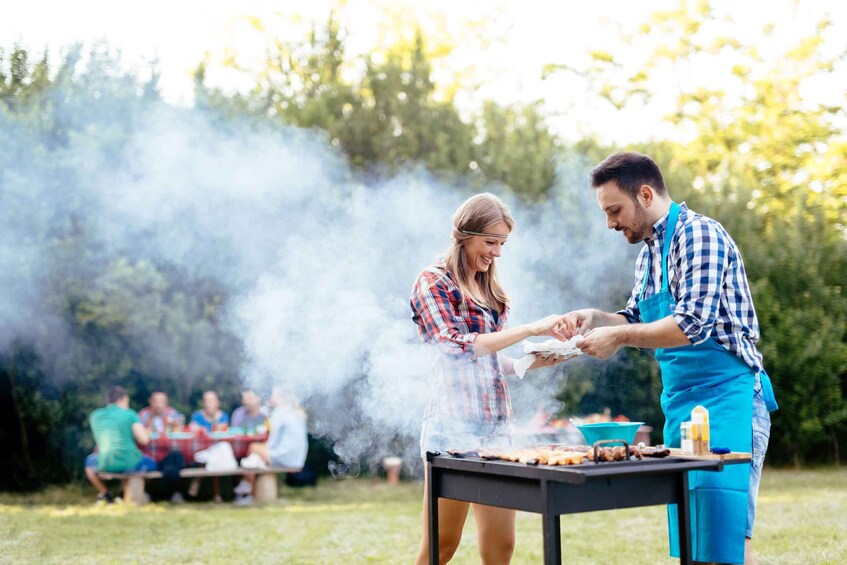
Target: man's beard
x=642, y=228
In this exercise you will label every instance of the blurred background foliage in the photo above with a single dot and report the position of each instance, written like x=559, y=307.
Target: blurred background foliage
x=768, y=164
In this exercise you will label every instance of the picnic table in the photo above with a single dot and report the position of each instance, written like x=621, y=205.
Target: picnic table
x=190, y=442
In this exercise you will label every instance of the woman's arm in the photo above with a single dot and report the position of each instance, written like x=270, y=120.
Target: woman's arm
x=434, y=310
x=486, y=344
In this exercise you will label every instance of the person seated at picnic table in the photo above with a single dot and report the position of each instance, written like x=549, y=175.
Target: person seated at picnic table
x=287, y=444
x=210, y=415
x=117, y=430
x=158, y=415
x=250, y=417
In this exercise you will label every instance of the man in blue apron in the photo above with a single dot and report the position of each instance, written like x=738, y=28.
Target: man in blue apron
x=691, y=303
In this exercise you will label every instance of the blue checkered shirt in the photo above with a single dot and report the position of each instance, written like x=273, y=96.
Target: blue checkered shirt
x=708, y=282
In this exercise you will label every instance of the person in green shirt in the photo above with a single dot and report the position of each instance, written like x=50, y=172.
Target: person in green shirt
x=117, y=429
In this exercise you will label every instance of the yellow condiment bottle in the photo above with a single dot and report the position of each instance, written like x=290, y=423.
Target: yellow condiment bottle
x=700, y=418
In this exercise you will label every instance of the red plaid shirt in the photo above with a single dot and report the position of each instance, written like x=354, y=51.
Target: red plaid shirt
x=463, y=386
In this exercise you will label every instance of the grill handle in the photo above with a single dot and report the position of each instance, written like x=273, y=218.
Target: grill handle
x=602, y=442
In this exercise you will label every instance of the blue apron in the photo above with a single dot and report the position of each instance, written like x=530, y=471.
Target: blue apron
x=710, y=375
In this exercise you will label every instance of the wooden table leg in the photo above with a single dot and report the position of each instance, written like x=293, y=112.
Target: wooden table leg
x=134, y=490
x=266, y=488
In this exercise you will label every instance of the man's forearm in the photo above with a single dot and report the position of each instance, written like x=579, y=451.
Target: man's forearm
x=659, y=334
x=601, y=319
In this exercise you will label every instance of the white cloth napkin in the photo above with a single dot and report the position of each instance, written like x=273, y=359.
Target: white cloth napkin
x=550, y=347
x=218, y=457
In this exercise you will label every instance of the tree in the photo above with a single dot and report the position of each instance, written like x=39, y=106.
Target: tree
x=79, y=315
x=769, y=164
x=392, y=116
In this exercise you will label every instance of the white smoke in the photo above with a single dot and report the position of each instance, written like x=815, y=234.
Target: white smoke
x=318, y=264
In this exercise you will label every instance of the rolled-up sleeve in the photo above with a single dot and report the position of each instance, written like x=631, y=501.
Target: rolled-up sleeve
x=703, y=263
x=434, y=311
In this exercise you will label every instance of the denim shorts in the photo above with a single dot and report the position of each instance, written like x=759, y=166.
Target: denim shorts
x=761, y=435
x=146, y=463
x=440, y=433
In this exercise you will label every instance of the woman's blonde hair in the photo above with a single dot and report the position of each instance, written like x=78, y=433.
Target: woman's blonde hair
x=475, y=215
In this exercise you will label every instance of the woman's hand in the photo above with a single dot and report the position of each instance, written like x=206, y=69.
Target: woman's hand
x=547, y=361
x=551, y=326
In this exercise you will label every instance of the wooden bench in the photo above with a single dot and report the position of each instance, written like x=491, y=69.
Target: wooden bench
x=264, y=491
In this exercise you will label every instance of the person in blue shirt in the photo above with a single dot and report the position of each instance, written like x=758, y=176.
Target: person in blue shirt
x=250, y=417
x=210, y=414
x=287, y=444
x=207, y=418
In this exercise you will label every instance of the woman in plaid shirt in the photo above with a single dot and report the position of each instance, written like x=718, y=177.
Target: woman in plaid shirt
x=460, y=310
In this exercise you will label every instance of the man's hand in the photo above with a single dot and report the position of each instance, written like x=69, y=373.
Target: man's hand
x=576, y=322
x=601, y=342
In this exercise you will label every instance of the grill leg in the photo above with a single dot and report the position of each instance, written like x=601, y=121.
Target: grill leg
x=551, y=529
x=551, y=524
x=683, y=507
x=432, y=514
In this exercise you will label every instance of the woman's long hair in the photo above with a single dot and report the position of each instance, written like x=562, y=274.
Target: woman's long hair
x=474, y=215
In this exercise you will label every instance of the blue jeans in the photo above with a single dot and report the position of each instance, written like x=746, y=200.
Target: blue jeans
x=146, y=463
x=761, y=435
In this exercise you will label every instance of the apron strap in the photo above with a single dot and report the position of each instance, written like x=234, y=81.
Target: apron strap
x=673, y=216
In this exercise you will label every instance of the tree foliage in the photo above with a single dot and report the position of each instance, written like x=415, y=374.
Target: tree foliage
x=757, y=155
x=92, y=318
x=392, y=116
x=770, y=164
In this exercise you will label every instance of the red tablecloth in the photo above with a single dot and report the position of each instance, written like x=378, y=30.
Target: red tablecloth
x=190, y=443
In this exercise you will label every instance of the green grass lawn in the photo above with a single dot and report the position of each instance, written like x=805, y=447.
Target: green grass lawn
x=801, y=520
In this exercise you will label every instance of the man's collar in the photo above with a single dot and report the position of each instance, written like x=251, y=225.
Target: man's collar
x=662, y=224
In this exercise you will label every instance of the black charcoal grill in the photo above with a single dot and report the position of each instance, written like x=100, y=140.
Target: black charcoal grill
x=555, y=490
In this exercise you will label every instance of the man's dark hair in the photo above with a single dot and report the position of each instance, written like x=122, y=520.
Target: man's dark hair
x=115, y=393
x=630, y=171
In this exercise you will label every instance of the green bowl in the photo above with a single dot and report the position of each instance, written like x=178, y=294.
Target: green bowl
x=609, y=430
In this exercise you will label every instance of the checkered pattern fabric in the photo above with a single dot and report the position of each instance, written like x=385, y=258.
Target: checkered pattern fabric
x=463, y=386
x=708, y=281
x=159, y=423
x=197, y=441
